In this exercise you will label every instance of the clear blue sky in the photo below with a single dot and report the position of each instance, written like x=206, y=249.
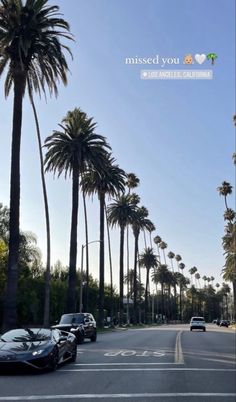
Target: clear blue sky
x=176, y=136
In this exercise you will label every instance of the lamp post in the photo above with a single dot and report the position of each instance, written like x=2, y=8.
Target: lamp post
x=81, y=271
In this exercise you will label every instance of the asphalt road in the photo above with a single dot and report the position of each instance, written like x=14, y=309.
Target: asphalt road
x=152, y=364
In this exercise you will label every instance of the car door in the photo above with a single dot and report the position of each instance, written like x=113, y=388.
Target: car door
x=61, y=344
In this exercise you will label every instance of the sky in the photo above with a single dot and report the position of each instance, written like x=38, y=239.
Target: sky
x=177, y=136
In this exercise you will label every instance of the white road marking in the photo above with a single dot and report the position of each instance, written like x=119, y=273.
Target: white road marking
x=110, y=396
x=150, y=369
x=179, y=358
x=120, y=364
x=137, y=353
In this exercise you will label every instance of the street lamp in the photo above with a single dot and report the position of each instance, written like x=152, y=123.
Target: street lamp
x=81, y=271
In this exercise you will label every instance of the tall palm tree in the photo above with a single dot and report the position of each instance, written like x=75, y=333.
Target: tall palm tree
x=132, y=182
x=225, y=189
x=147, y=260
x=161, y=276
x=204, y=279
x=163, y=246
x=157, y=240
x=120, y=213
x=198, y=277
x=178, y=259
x=32, y=54
x=171, y=255
x=139, y=222
x=182, y=282
x=46, y=209
x=110, y=180
x=150, y=230
x=192, y=271
x=72, y=151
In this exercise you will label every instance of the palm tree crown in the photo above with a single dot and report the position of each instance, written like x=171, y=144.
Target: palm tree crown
x=76, y=145
x=30, y=44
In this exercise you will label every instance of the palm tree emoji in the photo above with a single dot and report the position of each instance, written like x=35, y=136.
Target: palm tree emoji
x=212, y=57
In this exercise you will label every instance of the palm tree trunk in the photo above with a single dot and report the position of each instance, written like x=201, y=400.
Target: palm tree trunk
x=46, y=209
x=135, y=318
x=162, y=301
x=146, y=297
x=110, y=263
x=101, y=263
x=145, y=240
x=71, y=293
x=127, y=245
x=180, y=302
x=10, y=307
x=86, y=298
x=121, y=306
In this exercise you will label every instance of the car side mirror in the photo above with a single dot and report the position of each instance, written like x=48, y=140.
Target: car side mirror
x=86, y=320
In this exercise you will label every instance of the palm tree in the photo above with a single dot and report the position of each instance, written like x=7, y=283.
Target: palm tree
x=229, y=215
x=198, y=277
x=205, y=280
x=161, y=276
x=132, y=182
x=225, y=189
x=192, y=271
x=139, y=222
x=178, y=259
x=72, y=151
x=121, y=213
x=171, y=255
x=163, y=246
x=30, y=48
x=157, y=240
x=182, y=282
x=147, y=260
x=110, y=180
x=45, y=198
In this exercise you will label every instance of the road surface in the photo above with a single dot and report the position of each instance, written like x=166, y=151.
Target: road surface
x=167, y=363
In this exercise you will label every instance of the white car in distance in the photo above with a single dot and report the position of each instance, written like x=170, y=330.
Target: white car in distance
x=197, y=323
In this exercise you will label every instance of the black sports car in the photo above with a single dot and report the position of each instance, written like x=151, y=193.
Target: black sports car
x=38, y=348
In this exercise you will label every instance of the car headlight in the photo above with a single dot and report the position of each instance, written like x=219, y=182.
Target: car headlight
x=73, y=329
x=37, y=352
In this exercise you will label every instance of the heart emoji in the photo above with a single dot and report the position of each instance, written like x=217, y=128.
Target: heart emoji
x=200, y=58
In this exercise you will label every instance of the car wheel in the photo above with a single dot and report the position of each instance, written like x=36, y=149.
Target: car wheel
x=94, y=337
x=53, y=364
x=74, y=355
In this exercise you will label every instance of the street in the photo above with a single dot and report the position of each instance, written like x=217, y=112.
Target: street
x=149, y=364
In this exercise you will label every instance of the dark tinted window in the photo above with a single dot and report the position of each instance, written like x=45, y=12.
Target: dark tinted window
x=27, y=335
x=72, y=319
x=198, y=319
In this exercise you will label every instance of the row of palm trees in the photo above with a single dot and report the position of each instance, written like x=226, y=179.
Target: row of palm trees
x=229, y=239
x=33, y=60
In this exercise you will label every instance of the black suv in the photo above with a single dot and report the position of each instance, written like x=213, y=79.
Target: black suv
x=82, y=325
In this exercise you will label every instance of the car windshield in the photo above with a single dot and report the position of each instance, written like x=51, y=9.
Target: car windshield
x=72, y=319
x=27, y=335
x=197, y=319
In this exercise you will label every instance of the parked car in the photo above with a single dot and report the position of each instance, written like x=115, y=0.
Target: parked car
x=224, y=323
x=197, y=323
x=38, y=348
x=82, y=325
